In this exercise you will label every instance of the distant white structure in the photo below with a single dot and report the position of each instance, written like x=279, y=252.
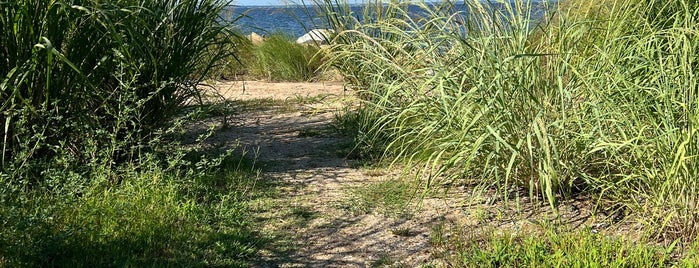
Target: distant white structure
x=255, y=38
x=316, y=36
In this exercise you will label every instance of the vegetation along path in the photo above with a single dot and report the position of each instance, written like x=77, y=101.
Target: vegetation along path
x=324, y=204
x=326, y=209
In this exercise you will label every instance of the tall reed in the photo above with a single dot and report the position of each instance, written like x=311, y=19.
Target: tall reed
x=93, y=79
x=557, y=100
x=279, y=58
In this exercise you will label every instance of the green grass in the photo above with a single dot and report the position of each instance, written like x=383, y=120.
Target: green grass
x=360, y=125
x=153, y=217
x=278, y=58
x=236, y=65
x=90, y=85
x=548, y=247
x=384, y=260
x=92, y=173
x=596, y=98
x=393, y=198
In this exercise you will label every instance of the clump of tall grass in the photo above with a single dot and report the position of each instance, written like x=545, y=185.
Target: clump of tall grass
x=94, y=80
x=560, y=101
x=90, y=93
x=278, y=58
x=237, y=64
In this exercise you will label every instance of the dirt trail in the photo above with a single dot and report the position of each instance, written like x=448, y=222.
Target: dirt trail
x=295, y=148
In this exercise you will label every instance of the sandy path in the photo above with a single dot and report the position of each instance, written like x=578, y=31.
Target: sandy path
x=316, y=179
x=311, y=225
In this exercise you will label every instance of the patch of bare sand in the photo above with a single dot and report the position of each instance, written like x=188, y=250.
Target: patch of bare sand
x=315, y=179
x=246, y=90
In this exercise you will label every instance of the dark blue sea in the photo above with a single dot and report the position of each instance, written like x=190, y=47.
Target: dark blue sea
x=290, y=20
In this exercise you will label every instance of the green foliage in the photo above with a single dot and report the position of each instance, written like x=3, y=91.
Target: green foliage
x=184, y=215
x=392, y=198
x=91, y=99
x=600, y=99
x=278, y=58
x=550, y=249
x=237, y=64
x=359, y=124
x=92, y=80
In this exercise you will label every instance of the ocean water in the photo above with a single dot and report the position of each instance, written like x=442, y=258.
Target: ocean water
x=290, y=20
x=293, y=21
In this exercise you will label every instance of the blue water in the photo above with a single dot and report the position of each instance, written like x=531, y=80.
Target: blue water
x=263, y=20
x=289, y=20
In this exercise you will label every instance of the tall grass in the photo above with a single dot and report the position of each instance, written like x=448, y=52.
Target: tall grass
x=91, y=93
x=94, y=79
x=279, y=58
x=595, y=98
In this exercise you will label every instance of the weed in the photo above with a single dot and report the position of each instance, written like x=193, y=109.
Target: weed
x=384, y=260
x=547, y=247
x=152, y=218
x=303, y=212
x=404, y=232
x=392, y=198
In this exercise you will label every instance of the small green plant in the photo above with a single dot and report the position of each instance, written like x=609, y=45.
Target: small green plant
x=303, y=212
x=392, y=198
x=403, y=231
x=384, y=260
